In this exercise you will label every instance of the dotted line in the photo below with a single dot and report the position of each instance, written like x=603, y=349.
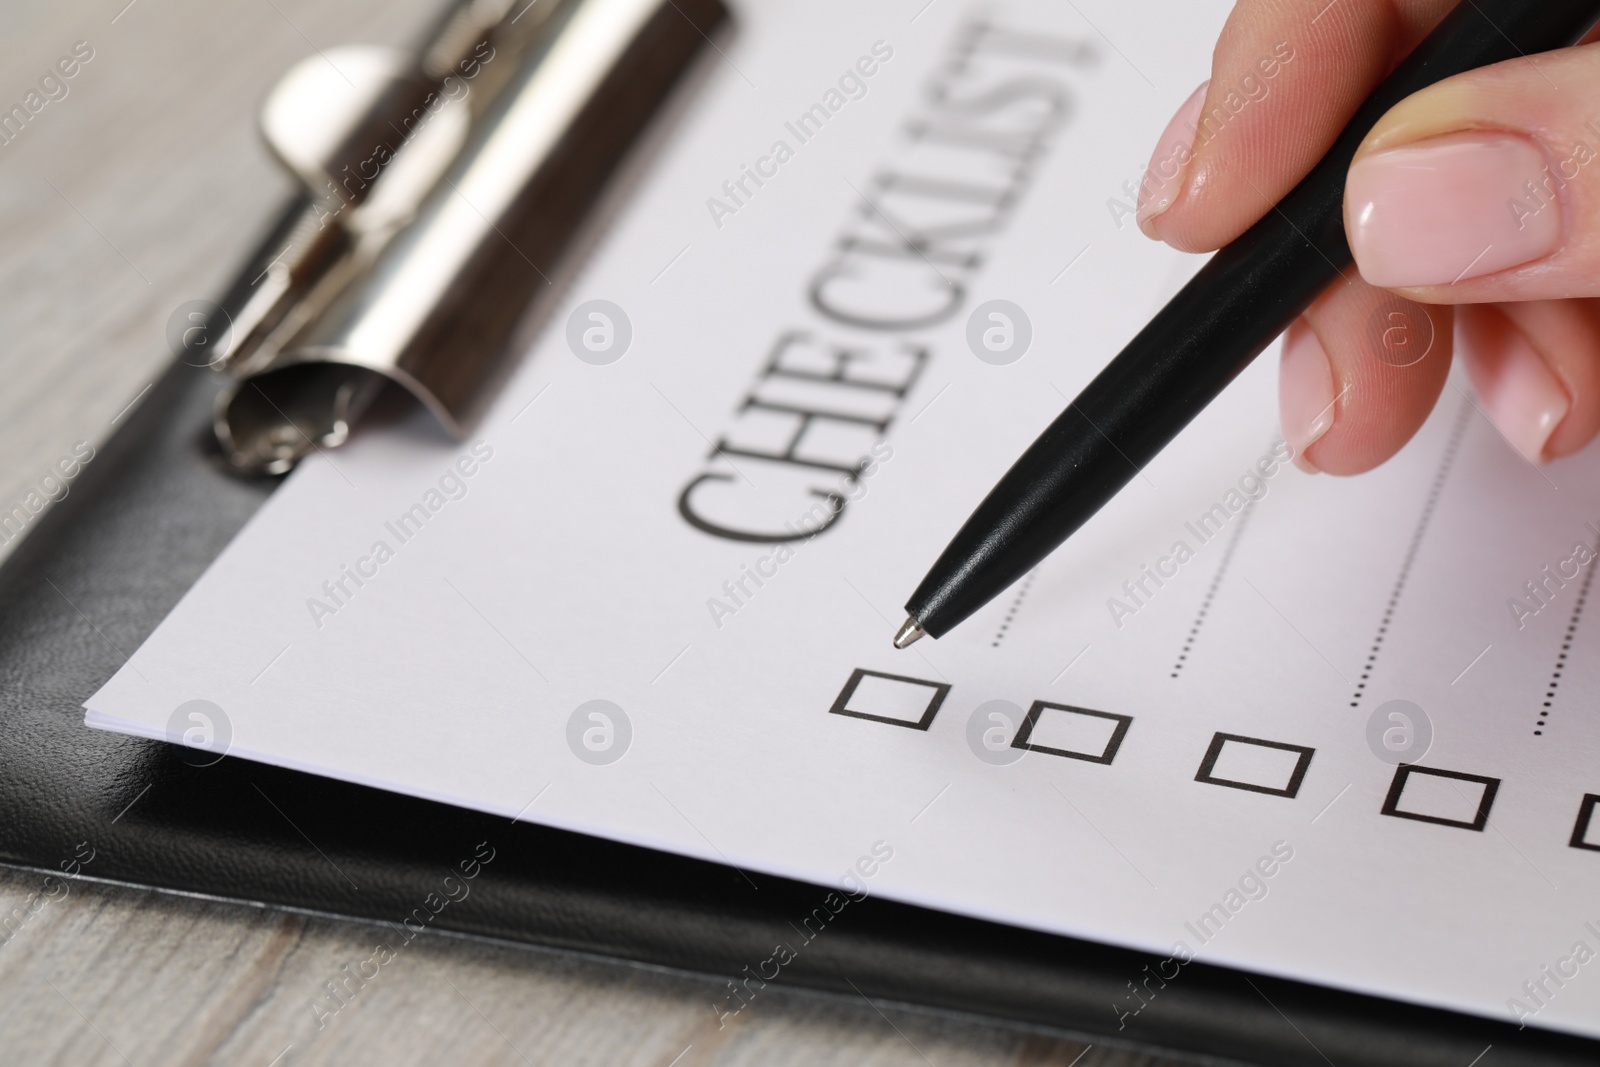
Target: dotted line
x=1445, y=463
x=1222, y=568
x=1015, y=604
x=1566, y=646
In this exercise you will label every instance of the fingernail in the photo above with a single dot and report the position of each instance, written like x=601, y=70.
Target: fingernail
x=1520, y=393
x=1449, y=208
x=1164, y=176
x=1305, y=395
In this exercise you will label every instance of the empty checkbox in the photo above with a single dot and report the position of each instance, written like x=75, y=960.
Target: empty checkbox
x=1586, y=833
x=890, y=698
x=1077, y=733
x=1449, y=798
x=1251, y=763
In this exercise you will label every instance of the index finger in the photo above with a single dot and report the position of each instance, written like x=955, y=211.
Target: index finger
x=1286, y=77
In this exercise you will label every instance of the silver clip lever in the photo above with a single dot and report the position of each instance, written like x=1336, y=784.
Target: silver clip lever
x=431, y=215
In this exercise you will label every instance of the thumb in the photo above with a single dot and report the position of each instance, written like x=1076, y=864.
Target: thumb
x=1486, y=186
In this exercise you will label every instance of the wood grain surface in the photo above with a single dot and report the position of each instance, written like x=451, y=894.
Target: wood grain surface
x=138, y=190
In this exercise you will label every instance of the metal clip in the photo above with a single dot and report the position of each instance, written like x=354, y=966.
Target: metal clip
x=429, y=218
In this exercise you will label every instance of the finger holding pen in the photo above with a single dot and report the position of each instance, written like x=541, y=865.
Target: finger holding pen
x=1483, y=193
x=1496, y=159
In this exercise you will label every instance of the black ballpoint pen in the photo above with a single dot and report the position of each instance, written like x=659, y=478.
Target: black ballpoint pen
x=1239, y=302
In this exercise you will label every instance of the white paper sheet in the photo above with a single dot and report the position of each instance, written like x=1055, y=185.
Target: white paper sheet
x=549, y=564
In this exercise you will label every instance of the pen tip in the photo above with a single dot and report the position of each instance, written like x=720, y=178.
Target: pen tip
x=910, y=631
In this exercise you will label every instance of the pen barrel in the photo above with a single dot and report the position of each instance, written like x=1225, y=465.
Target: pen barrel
x=1166, y=376
x=1238, y=303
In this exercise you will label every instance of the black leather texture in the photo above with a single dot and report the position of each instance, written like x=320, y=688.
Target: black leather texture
x=101, y=569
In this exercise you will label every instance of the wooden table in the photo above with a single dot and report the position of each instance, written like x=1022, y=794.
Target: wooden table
x=136, y=191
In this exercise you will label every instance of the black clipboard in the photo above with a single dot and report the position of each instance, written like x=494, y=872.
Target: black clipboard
x=100, y=570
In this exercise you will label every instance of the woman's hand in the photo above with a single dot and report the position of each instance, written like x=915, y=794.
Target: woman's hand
x=1473, y=209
